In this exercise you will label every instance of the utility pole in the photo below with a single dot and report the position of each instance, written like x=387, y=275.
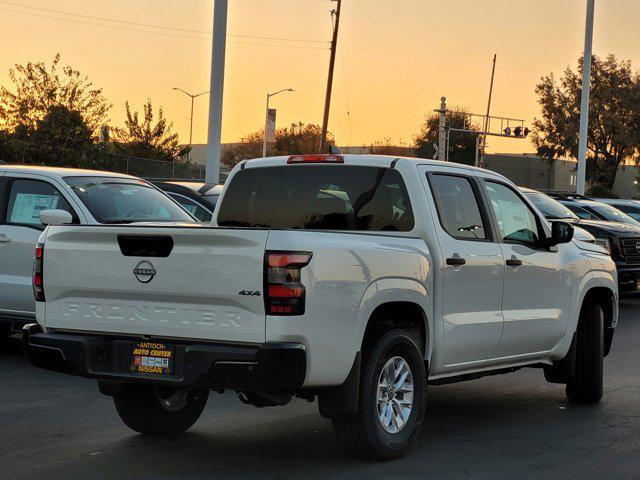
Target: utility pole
x=584, y=100
x=214, y=137
x=487, y=118
x=332, y=61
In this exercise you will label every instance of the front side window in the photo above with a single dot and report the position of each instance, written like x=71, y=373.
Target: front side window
x=317, y=197
x=28, y=198
x=516, y=221
x=458, y=207
x=125, y=200
x=581, y=212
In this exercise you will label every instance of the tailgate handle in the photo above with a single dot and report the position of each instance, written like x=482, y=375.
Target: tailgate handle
x=145, y=245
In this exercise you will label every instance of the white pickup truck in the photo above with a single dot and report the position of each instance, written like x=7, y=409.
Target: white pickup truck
x=356, y=280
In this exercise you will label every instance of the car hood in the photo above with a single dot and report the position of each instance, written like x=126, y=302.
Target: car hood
x=615, y=228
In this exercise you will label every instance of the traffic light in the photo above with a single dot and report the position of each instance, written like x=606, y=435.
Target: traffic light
x=507, y=131
x=517, y=131
x=526, y=132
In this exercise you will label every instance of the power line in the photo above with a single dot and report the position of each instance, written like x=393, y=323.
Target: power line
x=151, y=25
x=165, y=34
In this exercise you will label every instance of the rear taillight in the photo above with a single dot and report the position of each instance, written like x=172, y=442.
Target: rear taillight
x=317, y=158
x=284, y=291
x=38, y=279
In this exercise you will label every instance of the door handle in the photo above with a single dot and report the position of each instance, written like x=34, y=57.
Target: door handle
x=456, y=261
x=4, y=238
x=514, y=262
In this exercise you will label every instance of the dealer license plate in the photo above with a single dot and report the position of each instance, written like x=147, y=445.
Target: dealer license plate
x=152, y=357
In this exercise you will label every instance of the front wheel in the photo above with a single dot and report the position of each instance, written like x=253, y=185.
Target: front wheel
x=391, y=402
x=159, y=410
x=586, y=384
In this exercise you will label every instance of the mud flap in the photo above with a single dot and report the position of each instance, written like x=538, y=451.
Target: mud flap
x=563, y=370
x=342, y=401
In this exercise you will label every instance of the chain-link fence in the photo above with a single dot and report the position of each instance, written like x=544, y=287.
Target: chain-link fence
x=148, y=168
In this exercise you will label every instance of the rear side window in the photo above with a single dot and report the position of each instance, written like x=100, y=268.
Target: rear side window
x=317, y=197
x=458, y=207
x=198, y=211
x=28, y=198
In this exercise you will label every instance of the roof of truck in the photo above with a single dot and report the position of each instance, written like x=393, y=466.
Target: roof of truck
x=370, y=160
x=60, y=171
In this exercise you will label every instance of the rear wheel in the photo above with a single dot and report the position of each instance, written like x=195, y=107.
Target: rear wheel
x=391, y=400
x=159, y=410
x=586, y=384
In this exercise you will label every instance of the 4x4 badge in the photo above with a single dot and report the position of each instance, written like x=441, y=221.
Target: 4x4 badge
x=252, y=293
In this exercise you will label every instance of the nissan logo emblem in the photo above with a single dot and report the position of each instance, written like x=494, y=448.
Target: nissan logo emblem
x=144, y=271
x=638, y=247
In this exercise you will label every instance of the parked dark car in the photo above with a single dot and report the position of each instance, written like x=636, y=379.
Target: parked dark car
x=622, y=240
x=589, y=209
x=630, y=207
x=197, y=198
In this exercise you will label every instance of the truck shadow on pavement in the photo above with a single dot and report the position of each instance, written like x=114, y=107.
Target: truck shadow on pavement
x=465, y=428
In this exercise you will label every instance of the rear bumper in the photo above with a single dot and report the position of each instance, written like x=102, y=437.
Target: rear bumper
x=14, y=324
x=269, y=366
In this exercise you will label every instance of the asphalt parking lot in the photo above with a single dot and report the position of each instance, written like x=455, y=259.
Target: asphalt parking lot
x=512, y=426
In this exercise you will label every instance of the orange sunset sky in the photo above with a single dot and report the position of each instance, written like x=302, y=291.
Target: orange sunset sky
x=395, y=58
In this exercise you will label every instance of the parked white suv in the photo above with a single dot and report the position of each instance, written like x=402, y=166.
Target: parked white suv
x=80, y=196
x=356, y=280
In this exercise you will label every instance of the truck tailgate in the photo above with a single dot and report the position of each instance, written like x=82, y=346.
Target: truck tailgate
x=105, y=279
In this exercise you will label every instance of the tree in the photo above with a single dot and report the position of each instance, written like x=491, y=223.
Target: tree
x=614, y=117
x=462, y=146
x=250, y=147
x=387, y=147
x=38, y=87
x=61, y=138
x=146, y=139
x=298, y=138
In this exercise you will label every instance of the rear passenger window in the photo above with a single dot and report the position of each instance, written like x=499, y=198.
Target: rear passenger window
x=29, y=197
x=458, y=207
x=317, y=197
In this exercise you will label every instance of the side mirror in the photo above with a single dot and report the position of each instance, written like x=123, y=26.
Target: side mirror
x=55, y=217
x=561, y=232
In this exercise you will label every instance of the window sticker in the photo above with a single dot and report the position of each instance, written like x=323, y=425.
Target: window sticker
x=27, y=207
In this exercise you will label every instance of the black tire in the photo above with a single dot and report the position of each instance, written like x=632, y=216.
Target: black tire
x=586, y=384
x=140, y=408
x=363, y=435
x=5, y=333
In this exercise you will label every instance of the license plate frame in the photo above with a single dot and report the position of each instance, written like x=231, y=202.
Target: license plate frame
x=152, y=357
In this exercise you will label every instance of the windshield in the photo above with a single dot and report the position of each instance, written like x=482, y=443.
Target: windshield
x=549, y=207
x=125, y=200
x=612, y=213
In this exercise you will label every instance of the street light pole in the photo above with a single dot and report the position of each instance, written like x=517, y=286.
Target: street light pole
x=191, y=118
x=584, y=100
x=266, y=118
